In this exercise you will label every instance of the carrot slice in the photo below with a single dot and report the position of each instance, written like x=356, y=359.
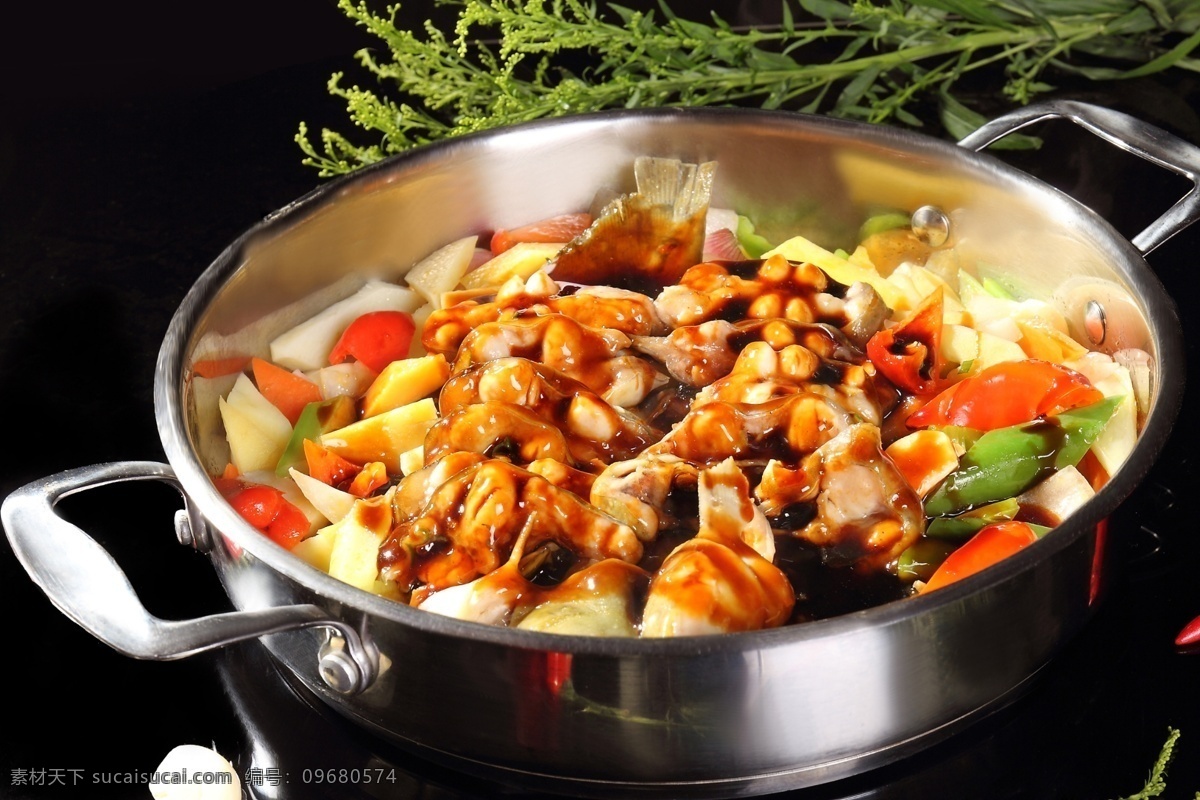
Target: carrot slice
x=216, y=367
x=561, y=228
x=285, y=390
x=327, y=466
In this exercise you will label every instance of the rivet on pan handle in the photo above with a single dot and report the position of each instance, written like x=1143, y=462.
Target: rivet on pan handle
x=1123, y=131
x=84, y=582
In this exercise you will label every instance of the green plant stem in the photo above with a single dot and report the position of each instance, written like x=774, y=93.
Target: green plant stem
x=506, y=61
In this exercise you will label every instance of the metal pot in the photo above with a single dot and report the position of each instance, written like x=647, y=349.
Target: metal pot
x=745, y=713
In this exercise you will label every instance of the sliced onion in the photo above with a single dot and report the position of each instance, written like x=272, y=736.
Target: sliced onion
x=1141, y=372
x=722, y=245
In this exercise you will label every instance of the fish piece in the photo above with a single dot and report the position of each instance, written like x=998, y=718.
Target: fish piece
x=762, y=373
x=495, y=429
x=595, y=431
x=646, y=239
x=700, y=354
x=599, y=358
x=638, y=491
x=473, y=521
x=414, y=491
x=720, y=581
x=594, y=306
x=771, y=288
x=862, y=511
x=786, y=429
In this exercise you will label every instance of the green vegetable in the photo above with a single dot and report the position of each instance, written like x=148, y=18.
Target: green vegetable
x=315, y=419
x=510, y=61
x=1004, y=462
x=922, y=559
x=964, y=526
x=754, y=244
x=886, y=221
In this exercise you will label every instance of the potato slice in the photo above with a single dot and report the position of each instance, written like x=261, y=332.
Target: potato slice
x=442, y=269
x=924, y=458
x=841, y=270
x=317, y=549
x=404, y=382
x=332, y=503
x=355, y=554
x=257, y=431
x=385, y=436
x=522, y=259
x=412, y=460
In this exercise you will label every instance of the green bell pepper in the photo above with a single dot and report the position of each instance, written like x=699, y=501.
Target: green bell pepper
x=1005, y=462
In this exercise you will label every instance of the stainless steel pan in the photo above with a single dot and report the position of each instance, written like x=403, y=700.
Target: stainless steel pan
x=737, y=714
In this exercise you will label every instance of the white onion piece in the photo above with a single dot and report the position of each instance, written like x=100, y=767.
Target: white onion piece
x=1139, y=364
x=722, y=245
x=213, y=776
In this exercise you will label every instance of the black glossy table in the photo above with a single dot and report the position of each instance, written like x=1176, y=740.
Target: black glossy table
x=124, y=172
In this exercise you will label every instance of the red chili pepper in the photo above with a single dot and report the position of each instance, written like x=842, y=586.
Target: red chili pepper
x=1007, y=394
x=558, y=671
x=377, y=338
x=909, y=355
x=1190, y=635
x=991, y=545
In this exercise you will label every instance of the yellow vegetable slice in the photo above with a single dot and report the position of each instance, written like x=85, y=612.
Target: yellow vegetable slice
x=385, y=436
x=841, y=270
x=521, y=259
x=404, y=382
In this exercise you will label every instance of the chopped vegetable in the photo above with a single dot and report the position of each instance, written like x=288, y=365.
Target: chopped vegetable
x=287, y=391
x=265, y=508
x=377, y=338
x=561, y=228
x=909, y=355
x=969, y=523
x=1007, y=394
x=327, y=466
x=991, y=545
x=216, y=367
x=754, y=244
x=1190, y=634
x=1004, y=462
x=315, y=419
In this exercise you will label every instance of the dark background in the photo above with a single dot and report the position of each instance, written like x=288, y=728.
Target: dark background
x=137, y=140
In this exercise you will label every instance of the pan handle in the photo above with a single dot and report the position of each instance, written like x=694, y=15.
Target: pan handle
x=1123, y=131
x=84, y=582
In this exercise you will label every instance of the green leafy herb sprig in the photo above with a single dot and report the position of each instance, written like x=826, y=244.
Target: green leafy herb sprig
x=510, y=61
x=1156, y=783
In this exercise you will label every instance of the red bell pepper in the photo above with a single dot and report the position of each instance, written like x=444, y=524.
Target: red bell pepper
x=909, y=354
x=991, y=545
x=376, y=339
x=1005, y=394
